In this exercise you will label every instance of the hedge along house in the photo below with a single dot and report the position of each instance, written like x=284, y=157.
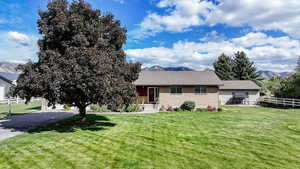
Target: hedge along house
x=239, y=92
x=172, y=88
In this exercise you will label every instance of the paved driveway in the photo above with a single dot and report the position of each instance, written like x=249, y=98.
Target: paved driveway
x=19, y=124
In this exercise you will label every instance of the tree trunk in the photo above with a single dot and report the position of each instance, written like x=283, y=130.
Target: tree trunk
x=82, y=113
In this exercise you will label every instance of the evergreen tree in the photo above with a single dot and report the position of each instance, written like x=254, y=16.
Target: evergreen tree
x=81, y=59
x=223, y=67
x=243, y=68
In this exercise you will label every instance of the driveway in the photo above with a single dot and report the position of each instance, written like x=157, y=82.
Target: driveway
x=18, y=124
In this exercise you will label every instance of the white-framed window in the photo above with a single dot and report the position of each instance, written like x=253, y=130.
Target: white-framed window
x=200, y=90
x=176, y=90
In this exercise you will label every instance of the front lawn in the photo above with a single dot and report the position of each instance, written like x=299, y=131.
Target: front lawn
x=234, y=138
x=19, y=108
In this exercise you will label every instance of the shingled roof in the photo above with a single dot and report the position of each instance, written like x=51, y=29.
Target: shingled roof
x=9, y=76
x=185, y=78
x=239, y=85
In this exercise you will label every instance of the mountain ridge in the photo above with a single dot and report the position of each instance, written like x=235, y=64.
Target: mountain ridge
x=9, y=67
x=265, y=73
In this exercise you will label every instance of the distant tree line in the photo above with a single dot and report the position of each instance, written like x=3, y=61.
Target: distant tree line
x=290, y=87
x=238, y=67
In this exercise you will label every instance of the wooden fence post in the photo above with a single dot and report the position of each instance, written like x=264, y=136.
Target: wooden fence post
x=293, y=102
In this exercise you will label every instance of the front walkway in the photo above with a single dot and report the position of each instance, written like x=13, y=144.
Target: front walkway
x=18, y=124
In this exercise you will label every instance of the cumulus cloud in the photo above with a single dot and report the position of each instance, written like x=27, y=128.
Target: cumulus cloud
x=17, y=47
x=182, y=15
x=269, y=53
x=19, y=38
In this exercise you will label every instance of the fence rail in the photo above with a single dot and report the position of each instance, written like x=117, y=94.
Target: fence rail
x=16, y=100
x=281, y=101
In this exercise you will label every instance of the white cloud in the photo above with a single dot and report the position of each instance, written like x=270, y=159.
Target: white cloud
x=182, y=15
x=276, y=54
x=19, y=38
x=17, y=47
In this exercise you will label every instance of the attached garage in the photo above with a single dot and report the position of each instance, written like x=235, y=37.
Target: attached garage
x=239, y=92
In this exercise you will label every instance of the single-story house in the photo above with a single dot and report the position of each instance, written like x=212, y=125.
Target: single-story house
x=6, y=81
x=172, y=88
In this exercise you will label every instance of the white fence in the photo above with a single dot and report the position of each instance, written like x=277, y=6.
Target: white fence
x=16, y=100
x=281, y=101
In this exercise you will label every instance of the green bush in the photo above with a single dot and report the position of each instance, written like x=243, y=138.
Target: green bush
x=188, y=105
x=200, y=110
x=67, y=107
x=178, y=109
x=134, y=108
x=121, y=109
x=97, y=108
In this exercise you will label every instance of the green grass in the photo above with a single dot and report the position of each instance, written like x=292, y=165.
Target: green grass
x=234, y=138
x=19, y=108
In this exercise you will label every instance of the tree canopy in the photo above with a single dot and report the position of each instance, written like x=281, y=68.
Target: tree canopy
x=290, y=87
x=81, y=59
x=237, y=68
x=243, y=68
x=223, y=67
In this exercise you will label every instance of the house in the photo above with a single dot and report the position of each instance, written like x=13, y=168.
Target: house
x=6, y=81
x=172, y=88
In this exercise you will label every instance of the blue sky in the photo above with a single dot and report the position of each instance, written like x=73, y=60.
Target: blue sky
x=176, y=32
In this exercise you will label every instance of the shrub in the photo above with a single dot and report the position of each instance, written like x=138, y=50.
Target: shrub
x=97, y=108
x=188, y=105
x=170, y=108
x=67, y=107
x=162, y=108
x=134, y=108
x=211, y=108
x=177, y=109
x=200, y=110
x=220, y=109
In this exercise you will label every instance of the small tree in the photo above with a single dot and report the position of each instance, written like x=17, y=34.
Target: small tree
x=223, y=67
x=243, y=68
x=81, y=60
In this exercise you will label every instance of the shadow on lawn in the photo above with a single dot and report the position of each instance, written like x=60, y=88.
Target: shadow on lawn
x=93, y=123
x=38, y=108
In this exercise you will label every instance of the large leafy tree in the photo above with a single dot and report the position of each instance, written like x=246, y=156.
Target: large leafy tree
x=243, y=68
x=290, y=87
x=223, y=67
x=81, y=60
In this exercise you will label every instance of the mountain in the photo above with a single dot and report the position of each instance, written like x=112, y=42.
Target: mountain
x=8, y=67
x=160, y=68
x=269, y=74
x=265, y=73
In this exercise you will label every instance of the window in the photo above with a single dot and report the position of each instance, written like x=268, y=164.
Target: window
x=176, y=90
x=200, y=90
